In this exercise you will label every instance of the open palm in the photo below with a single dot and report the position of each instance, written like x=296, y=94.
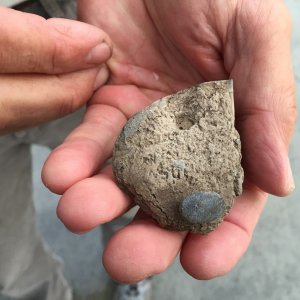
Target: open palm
x=159, y=48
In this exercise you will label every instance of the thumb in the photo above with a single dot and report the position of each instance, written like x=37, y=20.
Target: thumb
x=31, y=44
x=266, y=109
x=265, y=152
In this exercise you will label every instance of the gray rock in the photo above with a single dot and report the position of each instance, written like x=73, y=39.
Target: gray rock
x=180, y=158
x=202, y=207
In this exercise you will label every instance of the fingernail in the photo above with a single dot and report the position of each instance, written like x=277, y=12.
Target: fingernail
x=101, y=77
x=291, y=187
x=99, y=54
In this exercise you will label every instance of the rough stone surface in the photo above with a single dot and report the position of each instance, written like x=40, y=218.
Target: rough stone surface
x=180, y=158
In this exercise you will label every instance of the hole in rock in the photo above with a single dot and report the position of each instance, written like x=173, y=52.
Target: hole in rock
x=184, y=122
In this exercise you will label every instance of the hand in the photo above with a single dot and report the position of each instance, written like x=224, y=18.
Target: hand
x=159, y=48
x=47, y=68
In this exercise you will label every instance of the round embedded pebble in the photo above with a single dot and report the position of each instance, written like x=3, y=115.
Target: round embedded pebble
x=202, y=207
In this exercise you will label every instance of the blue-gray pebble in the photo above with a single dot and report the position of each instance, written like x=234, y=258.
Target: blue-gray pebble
x=202, y=207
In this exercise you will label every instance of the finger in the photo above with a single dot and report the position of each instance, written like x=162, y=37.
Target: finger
x=28, y=100
x=266, y=110
x=141, y=249
x=91, y=202
x=92, y=142
x=212, y=255
x=32, y=44
x=265, y=153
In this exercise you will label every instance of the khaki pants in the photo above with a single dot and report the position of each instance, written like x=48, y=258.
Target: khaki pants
x=27, y=270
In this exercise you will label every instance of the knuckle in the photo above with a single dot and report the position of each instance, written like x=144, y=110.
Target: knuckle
x=286, y=113
x=31, y=49
x=60, y=49
x=293, y=115
x=70, y=102
x=53, y=58
x=289, y=114
x=57, y=55
x=67, y=99
x=288, y=123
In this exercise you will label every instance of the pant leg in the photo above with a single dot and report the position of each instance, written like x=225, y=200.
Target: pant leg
x=60, y=8
x=27, y=271
x=52, y=133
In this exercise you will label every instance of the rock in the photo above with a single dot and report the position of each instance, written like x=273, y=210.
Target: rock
x=202, y=207
x=180, y=158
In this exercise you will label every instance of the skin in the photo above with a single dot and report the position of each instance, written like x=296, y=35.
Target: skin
x=159, y=48
x=39, y=56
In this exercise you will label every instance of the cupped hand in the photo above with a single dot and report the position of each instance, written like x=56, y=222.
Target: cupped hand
x=159, y=48
x=48, y=68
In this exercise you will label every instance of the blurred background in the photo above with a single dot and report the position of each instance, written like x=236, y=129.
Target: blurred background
x=269, y=270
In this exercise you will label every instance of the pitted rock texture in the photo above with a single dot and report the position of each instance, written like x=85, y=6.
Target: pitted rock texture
x=180, y=158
